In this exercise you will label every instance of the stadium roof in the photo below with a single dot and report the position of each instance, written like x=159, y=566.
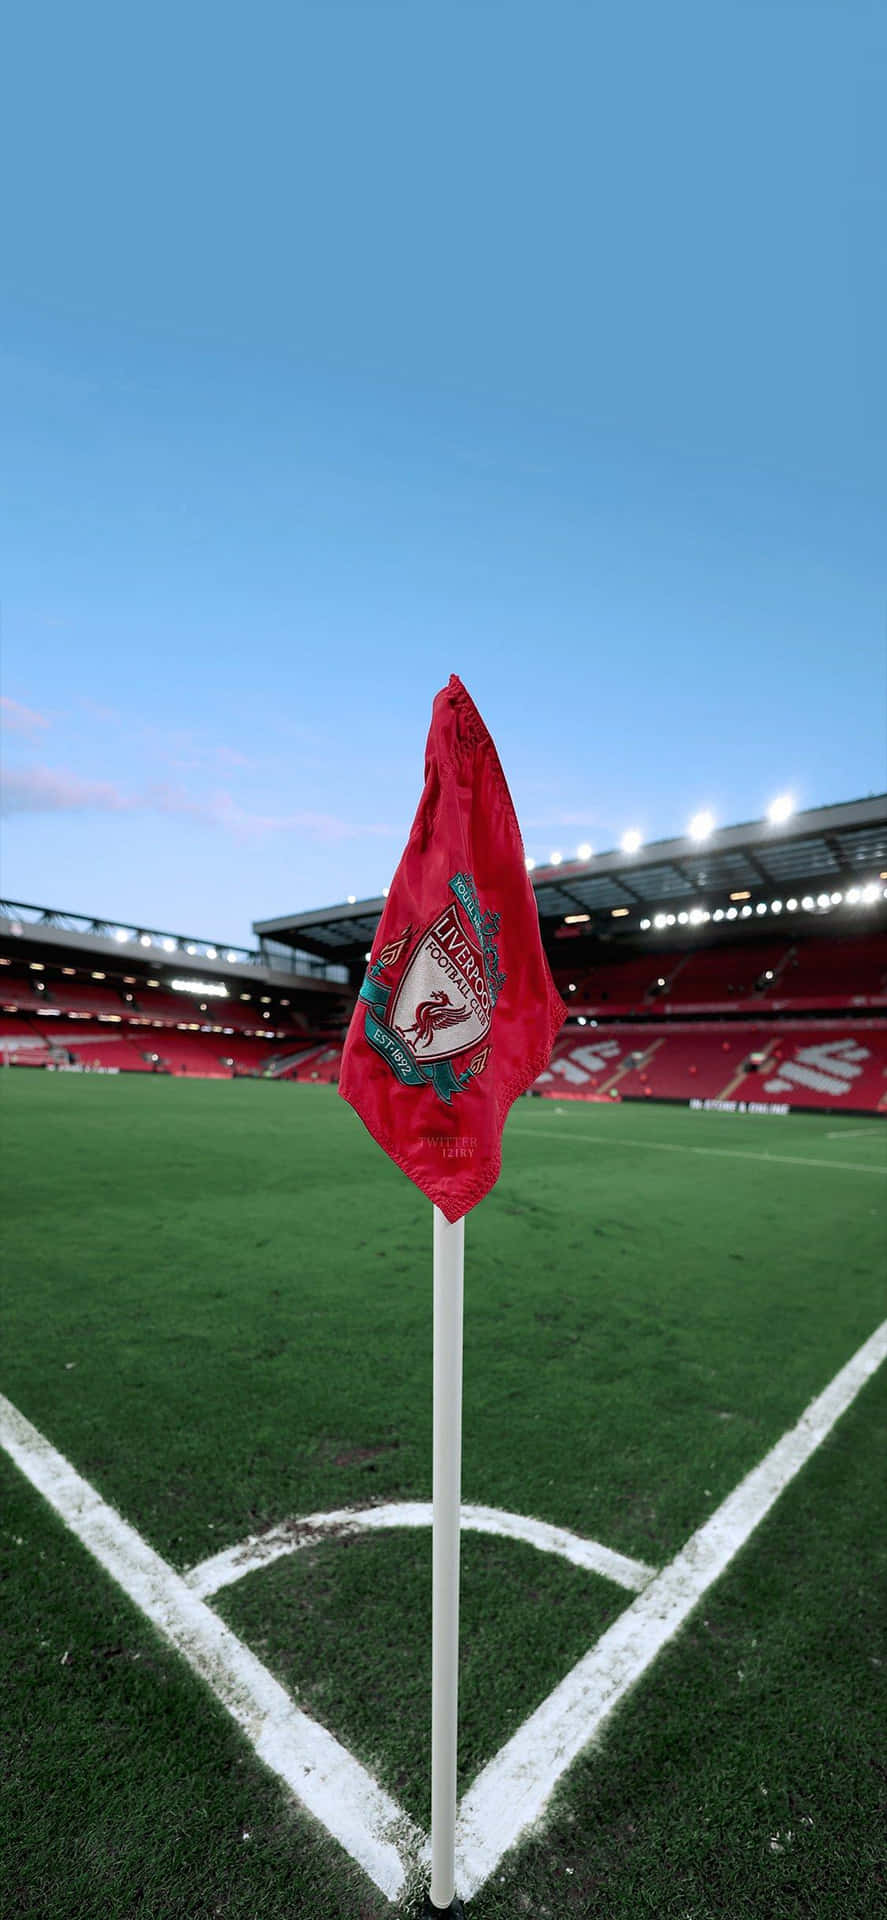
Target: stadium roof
x=824, y=848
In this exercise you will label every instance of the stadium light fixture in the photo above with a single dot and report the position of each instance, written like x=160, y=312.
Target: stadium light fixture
x=718, y=913
x=120, y=933
x=645, y=926
x=98, y=976
x=761, y=906
x=582, y=1020
x=732, y=912
x=191, y=949
x=215, y=987
x=745, y=912
x=351, y=899
x=742, y=893
x=529, y=863
x=37, y=966
x=837, y=899
x=701, y=825
x=575, y=919
x=211, y=953
x=792, y=906
x=631, y=841
x=231, y=955
x=144, y=939
x=808, y=903
x=870, y=894
x=384, y=893
x=776, y=906
x=572, y=987
x=669, y=919
x=659, y=921
x=780, y=809
x=618, y=913
x=554, y=859
x=682, y=919
x=823, y=900
x=583, y=852
x=169, y=946
x=852, y=896
x=697, y=915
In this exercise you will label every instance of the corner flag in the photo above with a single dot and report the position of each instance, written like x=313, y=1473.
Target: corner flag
x=458, y=1012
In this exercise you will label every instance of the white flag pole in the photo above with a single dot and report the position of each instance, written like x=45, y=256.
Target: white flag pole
x=449, y=1262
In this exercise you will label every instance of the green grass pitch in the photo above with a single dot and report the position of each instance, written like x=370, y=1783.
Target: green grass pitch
x=216, y=1303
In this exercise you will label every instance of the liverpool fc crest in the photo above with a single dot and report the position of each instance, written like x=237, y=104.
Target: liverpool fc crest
x=442, y=1004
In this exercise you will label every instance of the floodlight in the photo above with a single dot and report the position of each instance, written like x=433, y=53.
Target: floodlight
x=659, y=920
x=776, y=906
x=231, y=956
x=169, y=946
x=582, y=1020
x=583, y=852
x=121, y=934
x=529, y=863
x=870, y=894
x=701, y=825
x=718, y=913
x=852, y=896
x=761, y=906
x=732, y=912
x=780, y=809
x=631, y=840
x=836, y=899
x=808, y=903
x=669, y=919
x=682, y=919
x=645, y=924
x=792, y=906
x=211, y=953
x=351, y=898
x=144, y=939
x=555, y=859
x=823, y=900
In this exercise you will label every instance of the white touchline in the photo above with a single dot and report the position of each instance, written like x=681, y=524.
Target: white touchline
x=721, y=1153
x=324, y=1775
x=511, y=1793
x=855, y=1133
x=259, y=1550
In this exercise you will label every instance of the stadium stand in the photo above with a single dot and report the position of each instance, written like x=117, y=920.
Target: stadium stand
x=753, y=969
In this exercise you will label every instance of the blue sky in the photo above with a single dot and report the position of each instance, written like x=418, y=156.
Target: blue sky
x=345, y=347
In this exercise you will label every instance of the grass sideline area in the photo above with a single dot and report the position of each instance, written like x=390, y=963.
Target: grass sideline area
x=217, y=1306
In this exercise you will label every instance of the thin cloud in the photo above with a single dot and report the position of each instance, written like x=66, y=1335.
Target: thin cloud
x=18, y=719
x=54, y=790
x=45, y=790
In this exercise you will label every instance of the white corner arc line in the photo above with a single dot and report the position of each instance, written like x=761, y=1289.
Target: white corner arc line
x=511, y=1793
x=718, y=1153
x=259, y=1550
x=323, y=1775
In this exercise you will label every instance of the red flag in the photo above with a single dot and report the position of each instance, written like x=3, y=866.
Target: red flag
x=458, y=1011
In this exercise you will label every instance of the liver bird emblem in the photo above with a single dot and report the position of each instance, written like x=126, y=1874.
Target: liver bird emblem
x=432, y=1016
